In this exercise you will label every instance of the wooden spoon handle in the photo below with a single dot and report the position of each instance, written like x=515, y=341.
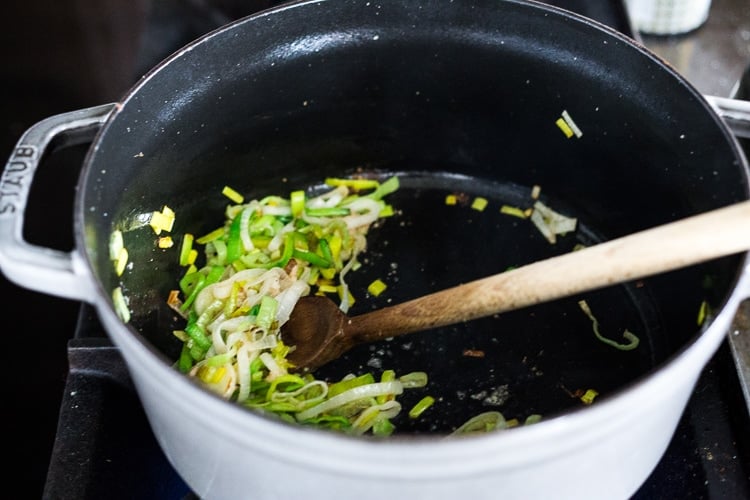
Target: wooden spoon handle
x=689, y=241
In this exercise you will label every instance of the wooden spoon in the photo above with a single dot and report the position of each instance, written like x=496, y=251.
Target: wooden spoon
x=320, y=332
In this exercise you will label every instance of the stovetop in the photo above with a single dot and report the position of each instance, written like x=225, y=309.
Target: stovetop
x=84, y=431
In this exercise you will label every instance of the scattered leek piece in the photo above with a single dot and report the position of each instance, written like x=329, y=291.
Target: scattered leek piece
x=484, y=422
x=213, y=235
x=421, y=406
x=386, y=376
x=703, y=312
x=514, y=211
x=325, y=211
x=532, y=419
x=116, y=243
x=450, y=199
x=562, y=125
x=312, y=258
x=346, y=297
x=352, y=395
x=297, y=200
x=536, y=190
x=568, y=126
x=569, y=121
x=234, y=241
x=350, y=383
x=479, y=203
x=383, y=427
x=376, y=288
x=232, y=195
x=122, y=261
x=414, y=379
x=386, y=211
x=387, y=187
x=551, y=223
x=492, y=421
x=327, y=288
x=165, y=242
x=117, y=251
x=325, y=250
x=198, y=335
x=121, y=304
x=355, y=184
x=162, y=221
x=632, y=339
x=186, y=249
x=185, y=362
x=588, y=396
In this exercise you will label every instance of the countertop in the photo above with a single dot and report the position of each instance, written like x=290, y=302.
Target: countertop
x=714, y=56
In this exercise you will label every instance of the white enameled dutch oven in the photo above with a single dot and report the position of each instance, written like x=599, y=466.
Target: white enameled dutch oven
x=454, y=97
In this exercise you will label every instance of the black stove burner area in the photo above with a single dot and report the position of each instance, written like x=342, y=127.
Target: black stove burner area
x=103, y=446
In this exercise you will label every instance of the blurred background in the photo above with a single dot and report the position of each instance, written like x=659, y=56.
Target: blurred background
x=63, y=55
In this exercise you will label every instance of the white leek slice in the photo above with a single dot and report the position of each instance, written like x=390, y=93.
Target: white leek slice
x=551, y=223
x=354, y=394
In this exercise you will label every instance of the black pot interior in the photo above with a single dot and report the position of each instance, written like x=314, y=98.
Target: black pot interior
x=454, y=98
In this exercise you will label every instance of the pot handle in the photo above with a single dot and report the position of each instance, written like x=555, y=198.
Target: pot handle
x=42, y=269
x=734, y=112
